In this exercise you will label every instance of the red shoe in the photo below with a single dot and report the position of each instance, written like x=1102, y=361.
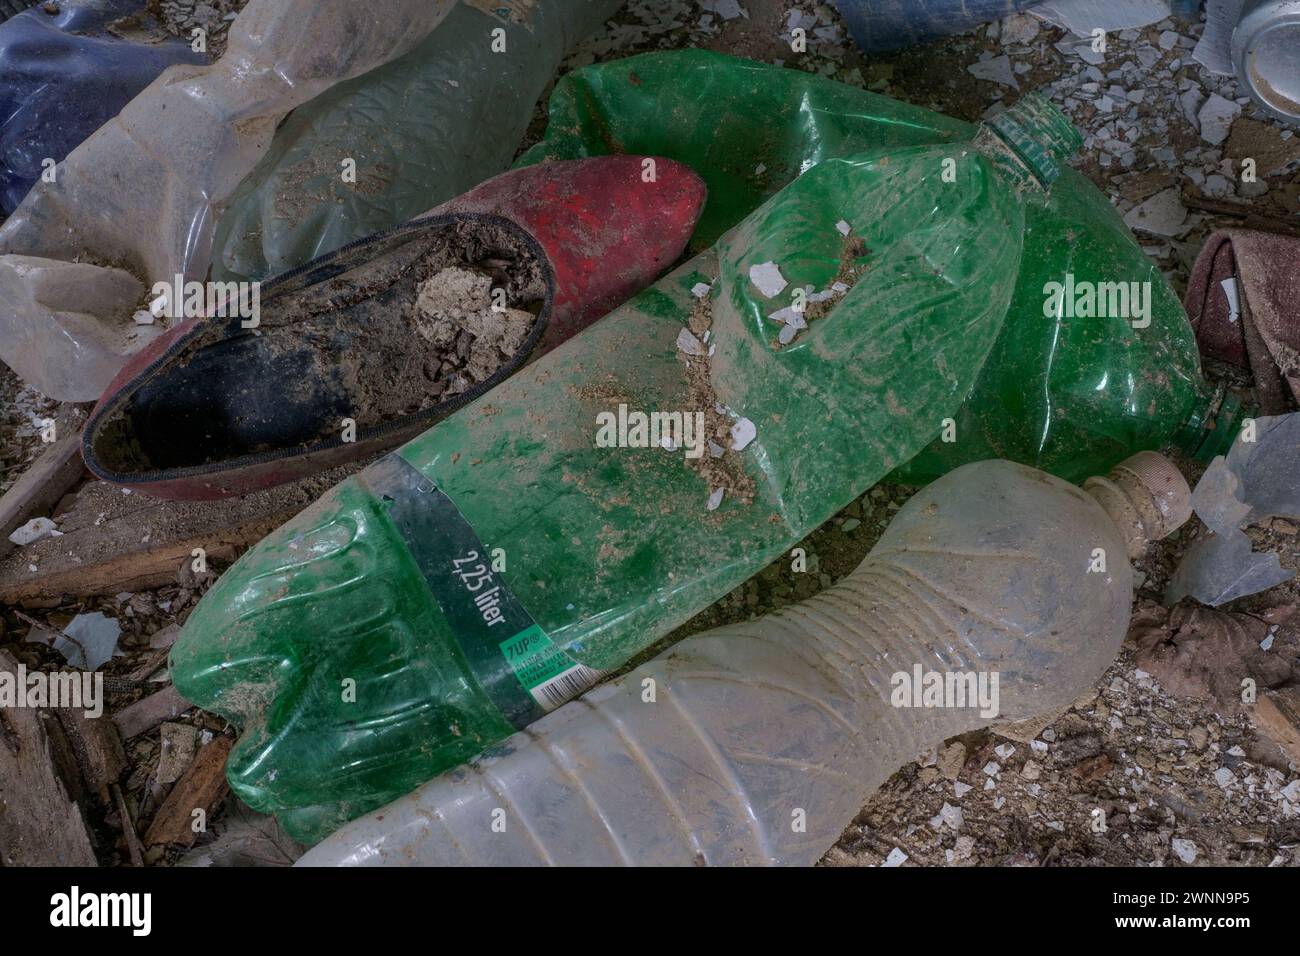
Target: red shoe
x=213, y=409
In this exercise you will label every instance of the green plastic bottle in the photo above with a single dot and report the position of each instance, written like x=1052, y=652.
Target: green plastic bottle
x=1072, y=395
x=457, y=590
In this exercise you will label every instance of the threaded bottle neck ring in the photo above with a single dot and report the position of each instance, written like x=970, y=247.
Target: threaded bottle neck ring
x=1038, y=134
x=1211, y=429
x=1147, y=498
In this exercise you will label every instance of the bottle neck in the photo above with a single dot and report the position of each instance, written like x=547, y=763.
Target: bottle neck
x=1212, y=428
x=1006, y=161
x=1029, y=142
x=1146, y=497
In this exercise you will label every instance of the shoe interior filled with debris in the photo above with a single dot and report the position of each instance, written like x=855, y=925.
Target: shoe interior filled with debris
x=662, y=432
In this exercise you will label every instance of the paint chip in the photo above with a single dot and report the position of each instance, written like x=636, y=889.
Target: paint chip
x=742, y=433
x=767, y=277
x=688, y=343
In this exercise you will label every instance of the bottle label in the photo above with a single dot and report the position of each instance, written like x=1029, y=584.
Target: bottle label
x=518, y=666
x=546, y=672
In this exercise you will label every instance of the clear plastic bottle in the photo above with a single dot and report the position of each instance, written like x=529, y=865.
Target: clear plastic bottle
x=759, y=742
x=143, y=191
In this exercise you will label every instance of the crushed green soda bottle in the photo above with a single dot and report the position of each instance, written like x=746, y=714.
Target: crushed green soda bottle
x=1096, y=360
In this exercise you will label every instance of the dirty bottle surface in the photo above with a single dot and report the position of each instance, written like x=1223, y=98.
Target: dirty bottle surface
x=760, y=742
x=497, y=565
x=1095, y=361
x=423, y=129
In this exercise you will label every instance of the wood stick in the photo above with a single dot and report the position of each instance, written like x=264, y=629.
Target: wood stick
x=1252, y=219
x=128, y=828
x=40, y=824
x=201, y=788
x=114, y=541
x=48, y=479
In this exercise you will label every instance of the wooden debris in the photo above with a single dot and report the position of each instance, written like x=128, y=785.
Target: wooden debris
x=1250, y=217
x=40, y=824
x=156, y=660
x=114, y=541
x=128, y=828
x=202, y=788
x=146, y=714
x=180, y=743
x=97, y=748
x=1277, y=715
x=41, y=486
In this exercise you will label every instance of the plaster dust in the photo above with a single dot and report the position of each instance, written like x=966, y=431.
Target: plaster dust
x=720, y=467
x=445, y=297
x=454, y=313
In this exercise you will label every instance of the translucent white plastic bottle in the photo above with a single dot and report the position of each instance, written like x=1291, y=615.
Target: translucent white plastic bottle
x=758, y=743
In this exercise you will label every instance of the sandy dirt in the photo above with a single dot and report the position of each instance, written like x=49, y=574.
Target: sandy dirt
x=472, y=291
x=454, y=313
x=180, y=18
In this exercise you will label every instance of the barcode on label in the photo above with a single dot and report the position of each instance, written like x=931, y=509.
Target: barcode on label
x=564, y=687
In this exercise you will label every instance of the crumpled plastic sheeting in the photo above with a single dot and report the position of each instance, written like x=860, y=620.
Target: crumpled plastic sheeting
x=1081, y=17
x=141, y=193
x=882, y=25
x=63, y=76
x=1221, y=568
x=88, y=642
x=422, y=130
x=1257, y=480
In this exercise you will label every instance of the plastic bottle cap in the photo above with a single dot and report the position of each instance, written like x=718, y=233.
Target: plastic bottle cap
x=1153, y=477
x=1039, y=134
x=1146, y=496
